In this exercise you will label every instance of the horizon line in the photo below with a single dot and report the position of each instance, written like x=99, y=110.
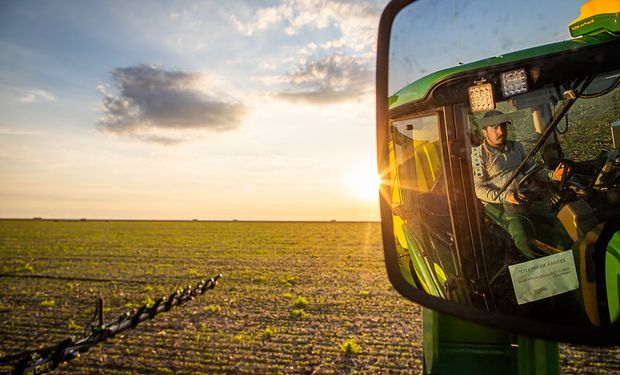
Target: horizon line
x=190, y=220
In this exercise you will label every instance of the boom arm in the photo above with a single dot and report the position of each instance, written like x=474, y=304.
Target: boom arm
x=43, y=360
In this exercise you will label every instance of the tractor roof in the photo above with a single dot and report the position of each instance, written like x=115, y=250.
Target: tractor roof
x=419, y=89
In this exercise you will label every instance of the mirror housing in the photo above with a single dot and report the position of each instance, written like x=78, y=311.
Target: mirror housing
x=468, y=296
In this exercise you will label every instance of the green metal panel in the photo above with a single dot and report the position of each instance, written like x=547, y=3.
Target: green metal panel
x=418, y=90
x=455, y=346
x=537, y=357
x=421, y=267
x=612, y=274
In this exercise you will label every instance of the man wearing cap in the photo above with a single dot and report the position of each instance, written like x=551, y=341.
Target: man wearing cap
x=494, y=161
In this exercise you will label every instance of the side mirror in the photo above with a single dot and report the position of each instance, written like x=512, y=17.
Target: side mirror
x=475, y=104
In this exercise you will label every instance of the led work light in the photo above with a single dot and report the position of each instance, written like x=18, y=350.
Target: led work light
x=481, y=97
x=514, y=82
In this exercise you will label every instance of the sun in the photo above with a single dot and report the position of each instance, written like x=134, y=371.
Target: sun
x=363, y=183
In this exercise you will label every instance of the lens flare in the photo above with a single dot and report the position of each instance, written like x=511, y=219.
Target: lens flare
x=364, y=184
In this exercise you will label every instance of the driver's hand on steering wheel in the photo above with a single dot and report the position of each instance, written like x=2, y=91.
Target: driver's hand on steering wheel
x=510, y=198
x=560, y=170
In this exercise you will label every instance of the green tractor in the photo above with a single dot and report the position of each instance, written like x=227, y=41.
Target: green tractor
x=500, y=201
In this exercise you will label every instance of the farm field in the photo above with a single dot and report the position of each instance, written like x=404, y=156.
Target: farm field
x=291, y=296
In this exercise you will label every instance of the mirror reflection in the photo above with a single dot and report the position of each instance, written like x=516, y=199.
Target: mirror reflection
x=428, y=36
x=505, y=172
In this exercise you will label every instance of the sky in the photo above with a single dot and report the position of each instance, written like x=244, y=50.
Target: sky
x=471, y=30
x=212, y=110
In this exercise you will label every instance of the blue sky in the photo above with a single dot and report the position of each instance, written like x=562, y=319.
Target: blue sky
x=429, y=36
x=188, y=109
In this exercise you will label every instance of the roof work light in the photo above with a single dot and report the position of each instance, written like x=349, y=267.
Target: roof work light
x=481, y=96
x=513, y=82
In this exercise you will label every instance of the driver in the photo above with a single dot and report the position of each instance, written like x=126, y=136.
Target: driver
x=494, y=161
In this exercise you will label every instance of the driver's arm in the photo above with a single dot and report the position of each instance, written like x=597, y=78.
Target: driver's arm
x=486, y=192
x=544, y=174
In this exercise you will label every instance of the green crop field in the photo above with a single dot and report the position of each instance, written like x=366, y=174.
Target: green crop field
x=294, y=298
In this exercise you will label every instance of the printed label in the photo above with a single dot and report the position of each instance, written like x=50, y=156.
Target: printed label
x=544, y=277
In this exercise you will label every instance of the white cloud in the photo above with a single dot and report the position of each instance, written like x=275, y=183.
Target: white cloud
x=263, y=19
x=27, y=95
x=356, y=21
x=337, y=64
x=36, y=95
x=334, y=78
x=9, y=131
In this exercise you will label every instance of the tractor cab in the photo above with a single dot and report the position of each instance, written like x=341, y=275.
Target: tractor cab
x=502, y=182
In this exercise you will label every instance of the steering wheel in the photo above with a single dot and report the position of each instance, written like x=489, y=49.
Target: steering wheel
x=523, y=194
x=553, y=193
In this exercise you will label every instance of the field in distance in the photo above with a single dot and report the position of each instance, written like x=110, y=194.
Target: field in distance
x=294, y=298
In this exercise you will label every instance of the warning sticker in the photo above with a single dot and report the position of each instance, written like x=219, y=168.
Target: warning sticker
x=544, y=277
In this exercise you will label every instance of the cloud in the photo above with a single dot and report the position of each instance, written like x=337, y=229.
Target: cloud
x=155, y=105
x=263, y=18
x=9, y=131
x=28, y=95
x=160, y=140
x=35, y=96
x=337, y=64
x=356, y=21
x=333, y=78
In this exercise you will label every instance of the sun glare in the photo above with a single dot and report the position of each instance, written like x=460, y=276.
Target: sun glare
x=364, y=184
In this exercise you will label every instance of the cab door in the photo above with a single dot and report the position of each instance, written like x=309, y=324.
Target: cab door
x=428, y=208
